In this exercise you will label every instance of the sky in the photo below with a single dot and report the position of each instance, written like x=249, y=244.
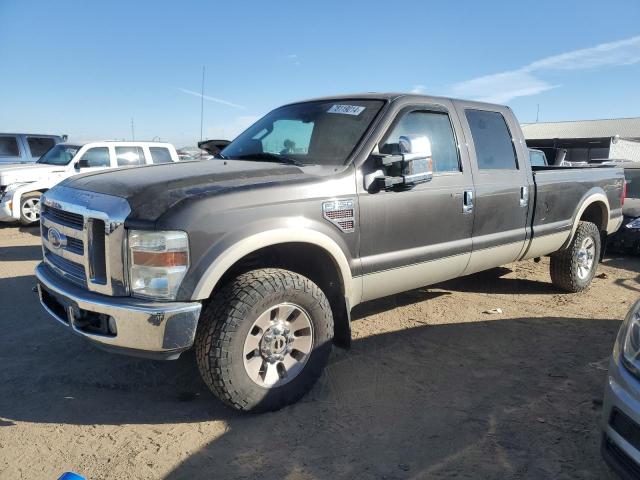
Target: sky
x=87, y=69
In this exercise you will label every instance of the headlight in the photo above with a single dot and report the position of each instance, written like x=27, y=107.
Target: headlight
x=630, y=345
x=158, y=261
x=635, y=223
x=8, y=191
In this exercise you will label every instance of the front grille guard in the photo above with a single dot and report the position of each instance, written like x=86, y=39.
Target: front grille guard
x=102, y=235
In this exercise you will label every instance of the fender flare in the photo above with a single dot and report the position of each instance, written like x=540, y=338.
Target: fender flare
x=238, y=250
x=23, y=190
x=591, y=198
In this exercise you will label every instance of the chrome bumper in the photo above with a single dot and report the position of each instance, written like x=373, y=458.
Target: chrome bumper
x=142, y=328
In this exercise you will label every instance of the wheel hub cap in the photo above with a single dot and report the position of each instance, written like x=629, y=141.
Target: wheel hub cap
x=278, y=345
x=585, y=257
x=276, y=342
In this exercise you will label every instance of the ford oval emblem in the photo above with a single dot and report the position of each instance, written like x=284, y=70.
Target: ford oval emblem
x=56, y=238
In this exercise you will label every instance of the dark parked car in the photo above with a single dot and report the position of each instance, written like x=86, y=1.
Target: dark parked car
x=627, y=239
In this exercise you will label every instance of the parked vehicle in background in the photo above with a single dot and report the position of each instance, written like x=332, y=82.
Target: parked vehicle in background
x=537, y=158
x=21, y=186
x=621, y=407
x=214, y=147
x=194, y=153
x=25, y=147
x=258, y=257
x=627, y=238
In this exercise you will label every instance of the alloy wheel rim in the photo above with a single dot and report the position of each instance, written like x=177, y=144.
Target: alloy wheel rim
x=586, y=257
x=31, y=209
x=278, y=345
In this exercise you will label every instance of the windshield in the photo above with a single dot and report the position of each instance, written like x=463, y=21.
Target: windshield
x=311, y=133
x=59, y=155
x=633, y=182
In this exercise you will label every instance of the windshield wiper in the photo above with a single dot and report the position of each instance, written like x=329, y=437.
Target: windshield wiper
x=270, y=157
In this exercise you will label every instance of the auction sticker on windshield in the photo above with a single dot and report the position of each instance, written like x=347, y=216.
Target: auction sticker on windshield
x=346, y=109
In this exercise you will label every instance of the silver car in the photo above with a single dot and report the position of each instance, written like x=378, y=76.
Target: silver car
x=621, y=408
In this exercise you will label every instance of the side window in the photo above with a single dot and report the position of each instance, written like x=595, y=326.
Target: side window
x=39, y=145
x=436, y=126
x=160, y=155
x=96, y=157
x=9, y=147
x=288, y=137
x=129, y=156
x=537, y=159
x=492, y=140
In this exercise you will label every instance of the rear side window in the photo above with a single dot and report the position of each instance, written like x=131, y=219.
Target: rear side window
x=160, y=155
x=9, y=147
x=96, y=157
x=129, y=156
x=537, y=159
x=436, y=126
x=39, y=145
x=492, y=140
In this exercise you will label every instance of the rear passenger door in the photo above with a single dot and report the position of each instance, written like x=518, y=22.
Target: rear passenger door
x=502, y=186
x=129, y=156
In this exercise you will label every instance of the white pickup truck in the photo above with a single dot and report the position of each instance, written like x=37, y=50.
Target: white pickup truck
x=22, y=185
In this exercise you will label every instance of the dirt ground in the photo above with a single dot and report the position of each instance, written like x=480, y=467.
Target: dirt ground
x=432, y=388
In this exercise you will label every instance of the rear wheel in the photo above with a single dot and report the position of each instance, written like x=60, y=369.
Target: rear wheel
x=30, y=208
x=574, y=268
x=264, y=339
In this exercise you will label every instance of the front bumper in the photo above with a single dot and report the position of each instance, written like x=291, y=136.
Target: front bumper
x=142, y=328
x=621, y=421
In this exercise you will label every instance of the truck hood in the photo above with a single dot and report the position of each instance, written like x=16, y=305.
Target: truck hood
x=26, y=173
x=152, y=190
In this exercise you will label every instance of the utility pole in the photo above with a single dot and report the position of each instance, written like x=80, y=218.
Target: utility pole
x=133, y=132
x=538, y=113
x=202, y=104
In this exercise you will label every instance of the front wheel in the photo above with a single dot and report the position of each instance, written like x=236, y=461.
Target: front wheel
x=30, y=208
x=264, y=339
x=573, y=269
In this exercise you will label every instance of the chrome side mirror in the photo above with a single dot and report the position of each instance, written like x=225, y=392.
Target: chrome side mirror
x=418, y=160
x=413, y=165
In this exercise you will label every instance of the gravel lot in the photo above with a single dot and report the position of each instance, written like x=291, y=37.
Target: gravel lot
x=432, y=388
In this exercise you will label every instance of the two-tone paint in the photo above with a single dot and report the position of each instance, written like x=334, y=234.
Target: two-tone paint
x=401, y=239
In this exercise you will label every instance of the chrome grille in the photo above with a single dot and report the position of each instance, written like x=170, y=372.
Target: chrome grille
x=71, y=270
x=61, y=217
x=83, y=238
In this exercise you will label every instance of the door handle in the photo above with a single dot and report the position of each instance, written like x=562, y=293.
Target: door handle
x=467, y=201
x=524, y=196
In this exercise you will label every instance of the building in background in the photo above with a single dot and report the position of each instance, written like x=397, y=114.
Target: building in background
x=585, y=140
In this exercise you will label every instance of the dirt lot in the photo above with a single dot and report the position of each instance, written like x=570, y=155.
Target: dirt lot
x=432, y=388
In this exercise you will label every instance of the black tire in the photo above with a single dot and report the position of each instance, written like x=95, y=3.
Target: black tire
x=565, y=263
x=225, y=323
x=33, y=197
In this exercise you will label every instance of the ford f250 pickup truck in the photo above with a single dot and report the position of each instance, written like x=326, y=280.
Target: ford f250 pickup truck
x=256, y=258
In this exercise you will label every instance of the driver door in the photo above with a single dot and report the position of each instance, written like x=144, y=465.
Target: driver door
x=422, y=235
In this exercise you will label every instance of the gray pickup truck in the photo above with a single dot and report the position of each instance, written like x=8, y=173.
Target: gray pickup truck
x=256, y=258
